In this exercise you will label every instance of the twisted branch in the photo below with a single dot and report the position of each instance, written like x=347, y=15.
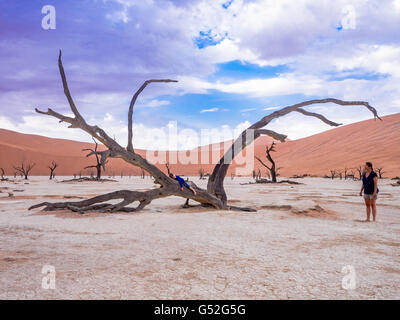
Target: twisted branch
x=130, y=112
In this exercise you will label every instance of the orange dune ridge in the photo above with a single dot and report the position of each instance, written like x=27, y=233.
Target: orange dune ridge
x=344, y=147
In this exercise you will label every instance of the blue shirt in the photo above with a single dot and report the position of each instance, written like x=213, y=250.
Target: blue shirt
x=180, y=180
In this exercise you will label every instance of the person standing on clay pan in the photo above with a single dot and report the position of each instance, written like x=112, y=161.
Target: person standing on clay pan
x=370, y=188
x=182, y=182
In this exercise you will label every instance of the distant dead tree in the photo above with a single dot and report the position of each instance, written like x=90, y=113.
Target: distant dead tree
x=258, y=176
x=380, y=172
x=24, y=170
x=2, y=175
x=340, y=174
x=272, y=169
x=52, y=167
x=345, y=173
x=142, y=174
x=167, y=166
x=351, y=175
x=99, y=164
x=201, y=173
x=214, y=196
x=360, y=171
x=333, y=174
x=254, y=174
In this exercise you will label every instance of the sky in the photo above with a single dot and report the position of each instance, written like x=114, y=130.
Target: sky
x=235, y=61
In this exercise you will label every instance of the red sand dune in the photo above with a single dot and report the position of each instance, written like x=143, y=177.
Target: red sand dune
x=347, y=146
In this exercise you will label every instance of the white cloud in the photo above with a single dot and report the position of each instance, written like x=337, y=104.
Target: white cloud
x=209, y=110
x=108, y=117
x=248, y=109
x=154, y=103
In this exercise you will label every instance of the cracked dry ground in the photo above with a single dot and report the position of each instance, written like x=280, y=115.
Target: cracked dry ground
x=293, y=247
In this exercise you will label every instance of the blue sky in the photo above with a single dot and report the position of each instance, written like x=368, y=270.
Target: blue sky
x=236, y=61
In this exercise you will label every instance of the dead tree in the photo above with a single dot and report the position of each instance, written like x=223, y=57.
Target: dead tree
x=201, y=173
x=380, y=172
x=24, y=170
x=99, y=164
x=345, y=173
x=214, y=196
x=351, y=175
x=52, y=167
x=333, y=174
x=2, y=175
x=272, y=169
x=360, y=171
x=142, y=174
x=168, y=169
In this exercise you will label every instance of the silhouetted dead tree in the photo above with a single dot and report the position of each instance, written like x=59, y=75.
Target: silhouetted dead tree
x=333, y=174
x=142, y=174
x=360, y=171
x=258, y=176
x=351, y=175
x=99, y=164
x=380, y=172
x=214, y=195
x=24, y=170
x=2, y=175
x=168, y=169
x=52, y=167
x=272, y=169
x=201, y=174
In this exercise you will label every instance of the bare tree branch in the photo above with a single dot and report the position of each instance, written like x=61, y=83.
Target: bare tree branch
x=66, y=89
x=216, y=180
x=319, y=116
x=25, y=170
x=133, y=101
x=52, y=167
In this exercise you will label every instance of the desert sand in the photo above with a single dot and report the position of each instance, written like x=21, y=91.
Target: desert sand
x=344, y=147
x=293, y=247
